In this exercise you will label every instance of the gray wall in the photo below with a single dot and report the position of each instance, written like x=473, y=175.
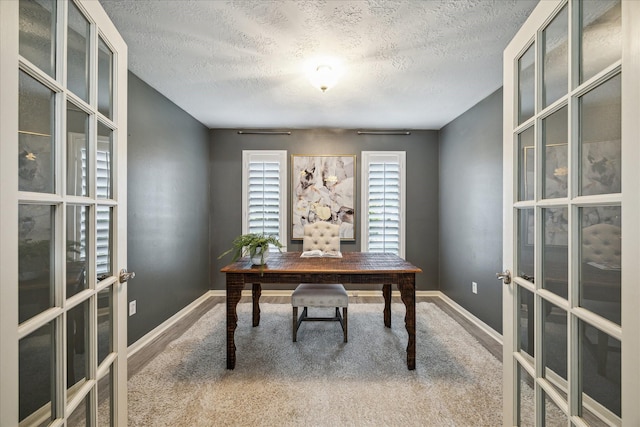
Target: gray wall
x=168, y=212
x=471, y=209
x=422, y=188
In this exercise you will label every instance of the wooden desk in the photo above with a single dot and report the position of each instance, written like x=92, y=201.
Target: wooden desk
x=352, y=268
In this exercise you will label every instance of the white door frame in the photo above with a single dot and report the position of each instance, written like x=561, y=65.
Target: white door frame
x=630, y=387
x=8, y=213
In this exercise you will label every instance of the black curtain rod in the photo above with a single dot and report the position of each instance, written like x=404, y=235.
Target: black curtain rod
x=383, y=132
x=263, y=132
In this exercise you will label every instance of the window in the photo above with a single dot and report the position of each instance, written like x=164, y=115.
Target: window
x=383, y=195
x=264, y=190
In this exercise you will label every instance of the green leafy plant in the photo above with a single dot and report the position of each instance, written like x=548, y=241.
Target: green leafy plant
x=252, y=244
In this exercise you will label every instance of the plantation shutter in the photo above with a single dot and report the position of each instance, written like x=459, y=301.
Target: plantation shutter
x=384, y=200
x=264, y=198
x=264, y=188
x=103, y=213
x=384, y=207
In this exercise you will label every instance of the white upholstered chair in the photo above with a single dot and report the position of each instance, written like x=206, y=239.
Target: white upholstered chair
x=325, y=237
x=321, y=235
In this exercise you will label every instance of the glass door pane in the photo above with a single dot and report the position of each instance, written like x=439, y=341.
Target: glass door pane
x=555, y=251
x=600, y=35
x=76, y=250
x=526, y=85
x=600, y=133
x=105, y=155
x=526, y=399
x=36, y=260
x=36, y=168
x=77, y=151
x=37, y=360
x=78, y=44
x=600, y=375
x=554, y=345
x=39, y=46
x=555, y=58
x=78, y=323
x=526, y=164
x=600, y=261
x=555, y=156
x=105, y=79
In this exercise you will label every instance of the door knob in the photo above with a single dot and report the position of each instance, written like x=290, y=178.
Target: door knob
x=505, y=276
x=125, y=276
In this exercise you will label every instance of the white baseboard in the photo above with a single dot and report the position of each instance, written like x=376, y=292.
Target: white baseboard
x=154, y=333
x=473, y=319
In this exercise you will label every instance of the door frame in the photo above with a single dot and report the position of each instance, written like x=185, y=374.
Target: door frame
x=9, y=213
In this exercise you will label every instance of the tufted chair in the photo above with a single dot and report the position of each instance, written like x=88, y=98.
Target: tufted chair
x=601, y=245
x=325, y=237
x=321, y=235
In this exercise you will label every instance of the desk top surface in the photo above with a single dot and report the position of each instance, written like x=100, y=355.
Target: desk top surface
x=351, y=262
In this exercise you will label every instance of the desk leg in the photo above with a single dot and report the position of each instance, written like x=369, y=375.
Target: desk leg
x=386, y=293
x=234, y=292
x=407, y=288
x=256, y=292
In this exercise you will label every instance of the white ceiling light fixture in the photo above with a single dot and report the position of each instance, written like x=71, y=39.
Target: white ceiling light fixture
x=324, y=77
x=323, y=73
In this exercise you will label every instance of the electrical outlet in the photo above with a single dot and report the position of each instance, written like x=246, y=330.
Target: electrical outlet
x=474, y=287
x=132, y=308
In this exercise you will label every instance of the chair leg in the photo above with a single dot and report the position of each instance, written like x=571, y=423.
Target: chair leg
x=295, y=324
x=344, y=326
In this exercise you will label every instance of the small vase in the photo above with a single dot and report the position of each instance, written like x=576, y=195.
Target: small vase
x=258, y=259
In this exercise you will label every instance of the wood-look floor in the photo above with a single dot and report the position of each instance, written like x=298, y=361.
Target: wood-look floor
x=145, y=355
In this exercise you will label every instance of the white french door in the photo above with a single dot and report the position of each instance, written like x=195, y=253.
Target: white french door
x=571, y=214
x=63, y=130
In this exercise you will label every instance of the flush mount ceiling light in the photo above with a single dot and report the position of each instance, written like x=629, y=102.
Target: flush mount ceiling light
x=324, y=77
x=323, y=73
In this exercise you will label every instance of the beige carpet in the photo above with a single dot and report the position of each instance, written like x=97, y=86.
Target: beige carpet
x=320, y=381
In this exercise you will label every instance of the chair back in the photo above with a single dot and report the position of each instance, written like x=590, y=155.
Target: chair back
x=321, y=235
x=601, y=243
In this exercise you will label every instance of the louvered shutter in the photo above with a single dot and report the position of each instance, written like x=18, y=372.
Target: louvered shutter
x=103, y=213
x=383, y=191
x=264, y=198
x=264, y=193
x=384, y=207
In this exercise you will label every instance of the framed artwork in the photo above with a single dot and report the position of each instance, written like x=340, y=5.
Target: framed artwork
x=323, y=189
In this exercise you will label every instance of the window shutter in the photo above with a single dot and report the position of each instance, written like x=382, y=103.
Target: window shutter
x=264, y=201
x=103, y=213
x=383, y=182
x=264, y=198
x=384, y=207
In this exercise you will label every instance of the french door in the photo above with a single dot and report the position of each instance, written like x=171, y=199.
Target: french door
x=571, y=214
x=63, y=79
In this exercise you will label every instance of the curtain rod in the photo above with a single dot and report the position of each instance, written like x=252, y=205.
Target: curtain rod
x=263, y=132
x=383, y=132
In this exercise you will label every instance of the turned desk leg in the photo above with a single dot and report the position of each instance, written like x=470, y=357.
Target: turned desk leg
x=234, y=292
x=407, y=288
x=386, y=293
x=256, y=292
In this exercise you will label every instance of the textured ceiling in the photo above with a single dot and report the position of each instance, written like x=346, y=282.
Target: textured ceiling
x=242, y=64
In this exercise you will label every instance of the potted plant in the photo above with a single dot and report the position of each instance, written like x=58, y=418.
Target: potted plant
x=255, y=245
